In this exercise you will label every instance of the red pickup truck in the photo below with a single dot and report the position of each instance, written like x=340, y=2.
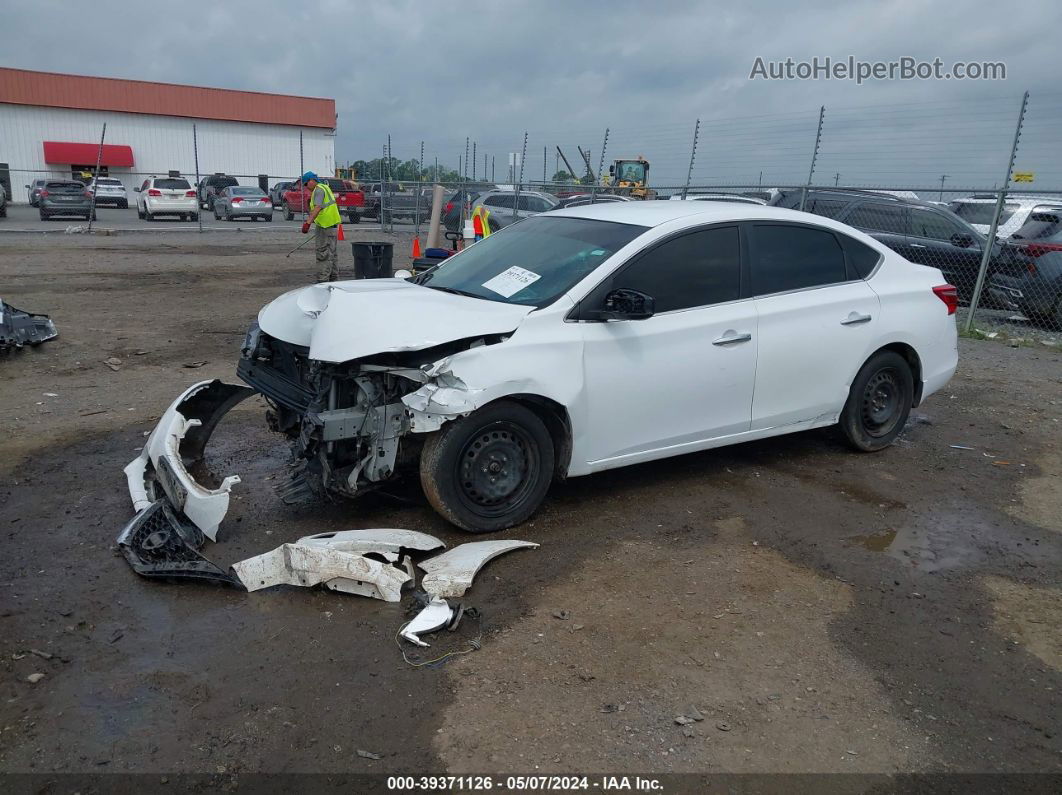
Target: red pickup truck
x=349, y=200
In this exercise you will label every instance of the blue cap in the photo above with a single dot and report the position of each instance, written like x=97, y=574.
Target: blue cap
x=308, y=176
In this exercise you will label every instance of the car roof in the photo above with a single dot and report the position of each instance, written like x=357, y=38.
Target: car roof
x=654, y=213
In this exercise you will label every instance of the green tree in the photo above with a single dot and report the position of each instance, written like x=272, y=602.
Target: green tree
x=563, y=176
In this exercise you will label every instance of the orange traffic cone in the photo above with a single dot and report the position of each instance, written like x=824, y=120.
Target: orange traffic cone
x=339, y=234
x=416, y=248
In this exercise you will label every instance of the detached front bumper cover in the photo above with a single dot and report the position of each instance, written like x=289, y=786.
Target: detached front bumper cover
x=18, y=328
x=176, y=443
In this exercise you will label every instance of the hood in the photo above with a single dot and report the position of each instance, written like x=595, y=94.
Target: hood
x=340, y=321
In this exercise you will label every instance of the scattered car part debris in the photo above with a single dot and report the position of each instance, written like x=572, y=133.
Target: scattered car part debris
x=308, y=565
x=34, y=678
x=383, y=540
x=434, y=617
x=563, y=615
x=159, y=544
x=176, y=443
x=450, y=574
x=368, y=754
x=195, y=365
x=18, y=328
x=114, y=363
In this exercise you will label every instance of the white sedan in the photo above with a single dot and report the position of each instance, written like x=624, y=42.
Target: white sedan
x=586, y=339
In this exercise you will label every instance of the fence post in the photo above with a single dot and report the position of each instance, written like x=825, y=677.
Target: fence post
x=986, y=257
x=195, y=154
x=475, y=160
x=302, y=170
x=543, y=165
x=600, y=168
x=464, y=173
x=95, y=177
x=814, y=157
x=693, y=154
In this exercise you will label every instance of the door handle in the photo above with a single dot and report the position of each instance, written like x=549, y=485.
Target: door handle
x=731, y=337
x=854, y=319
x=917, y=245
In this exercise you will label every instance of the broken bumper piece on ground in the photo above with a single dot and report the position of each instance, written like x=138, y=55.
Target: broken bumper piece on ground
x=308, y=565
x=157, y=543
x=450, y=574
x=176, y=443
x=435, y=615
x=18, y=328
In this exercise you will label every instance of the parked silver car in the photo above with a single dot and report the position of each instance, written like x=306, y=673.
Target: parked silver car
x=507, y=207
x=977, y=210
x=33, y=191
x=239, y=201
x=109, y=190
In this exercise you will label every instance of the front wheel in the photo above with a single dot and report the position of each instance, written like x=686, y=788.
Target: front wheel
x=490, y=470
x=878, y=402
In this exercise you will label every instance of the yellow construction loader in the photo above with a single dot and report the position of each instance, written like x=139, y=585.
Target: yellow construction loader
x=629, y=178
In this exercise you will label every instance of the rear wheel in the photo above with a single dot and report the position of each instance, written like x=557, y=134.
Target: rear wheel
x=148, y=215
x=44, y=216
x=490, y=470
x=217, y=215
x=355, y=218
x=288, y=214
x=878, y=402
x=123, y=204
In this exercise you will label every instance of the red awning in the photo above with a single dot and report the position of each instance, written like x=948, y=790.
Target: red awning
x=85, y=154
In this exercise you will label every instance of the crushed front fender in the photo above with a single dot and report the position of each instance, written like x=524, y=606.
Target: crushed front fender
x=176, y=443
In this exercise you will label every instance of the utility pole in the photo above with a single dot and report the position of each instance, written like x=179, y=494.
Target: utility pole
x=940, y=196
x=814, y=157
x=836, y=179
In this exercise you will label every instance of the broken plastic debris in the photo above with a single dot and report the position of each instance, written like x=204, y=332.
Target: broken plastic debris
x=374, y=540
x=18, y=328
x=451, y=573
x=436, y=615
x=308, y=565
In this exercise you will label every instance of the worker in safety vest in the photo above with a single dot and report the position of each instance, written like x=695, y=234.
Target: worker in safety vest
x=481, y=222
x=324, y=216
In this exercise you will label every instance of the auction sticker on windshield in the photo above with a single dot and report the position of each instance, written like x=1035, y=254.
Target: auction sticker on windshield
x=509, y=283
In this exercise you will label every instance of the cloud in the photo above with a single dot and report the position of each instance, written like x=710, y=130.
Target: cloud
x=439, y=72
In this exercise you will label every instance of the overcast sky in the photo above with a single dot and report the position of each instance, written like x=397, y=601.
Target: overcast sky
x=564, y=71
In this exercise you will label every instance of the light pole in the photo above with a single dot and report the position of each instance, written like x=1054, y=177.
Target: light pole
x=940, y=197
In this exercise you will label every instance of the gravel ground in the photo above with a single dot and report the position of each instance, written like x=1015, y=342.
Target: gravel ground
x=822, y=611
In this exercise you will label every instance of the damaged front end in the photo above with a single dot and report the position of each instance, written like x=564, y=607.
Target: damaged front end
x=352, y=424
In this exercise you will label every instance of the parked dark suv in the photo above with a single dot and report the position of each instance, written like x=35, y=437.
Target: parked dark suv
x=920, y=232
x=1037, y=290
x=210, y=186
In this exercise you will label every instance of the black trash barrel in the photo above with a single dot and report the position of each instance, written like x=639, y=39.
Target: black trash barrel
x=373, y=260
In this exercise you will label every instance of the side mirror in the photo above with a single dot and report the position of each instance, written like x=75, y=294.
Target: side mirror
x=25, y=186
x=624, y=304
x=961, y=240
x=137, y=189
x=402, y=273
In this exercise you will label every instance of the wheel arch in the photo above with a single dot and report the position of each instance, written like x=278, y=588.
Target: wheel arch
x=913, y=361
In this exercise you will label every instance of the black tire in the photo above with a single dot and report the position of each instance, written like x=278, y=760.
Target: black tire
x=267, y=218
x=148, y=216
x=461, y=463
x=355, y=218
x=288, y=214
x=878, y=403
x=493, y=225
x=217, y=215
x=123, y=205
x=194, y=216
x=93, y=218
x=44, y=216
x=139, y=213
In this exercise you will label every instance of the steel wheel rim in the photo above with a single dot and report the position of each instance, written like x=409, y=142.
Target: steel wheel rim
x=496, y=469
x=881, y=404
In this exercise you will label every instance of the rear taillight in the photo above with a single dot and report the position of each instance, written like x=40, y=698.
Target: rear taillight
x=43, y=193
x=154, y=192
x=190, y=194
x=237, y=200
x=449, y=206
x=949, y=295
x=267, y=200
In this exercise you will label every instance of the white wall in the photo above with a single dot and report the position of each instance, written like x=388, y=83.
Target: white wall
x=160, y=144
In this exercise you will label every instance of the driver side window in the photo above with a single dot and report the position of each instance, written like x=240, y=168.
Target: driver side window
x=697, y=269
x=925, y=223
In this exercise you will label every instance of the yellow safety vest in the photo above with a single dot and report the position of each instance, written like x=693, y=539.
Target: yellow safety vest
x=484, y=219
x=329, y=216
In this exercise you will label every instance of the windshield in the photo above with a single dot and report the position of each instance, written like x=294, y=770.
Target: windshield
x=172, y=184
x=533, y=262
x=632, y=172
x=106, y=183
x=65, y=187
x=982, y=212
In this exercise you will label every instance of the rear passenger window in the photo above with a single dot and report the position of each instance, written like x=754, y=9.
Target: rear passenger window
x=829, y=208
x=697, y=269
x=879, y=218
x=862, y=259
x=794, y=257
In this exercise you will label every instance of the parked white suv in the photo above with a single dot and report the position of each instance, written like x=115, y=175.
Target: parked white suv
x=977, y=210
x=167, y=196
x=109, y=190
x=573, y=342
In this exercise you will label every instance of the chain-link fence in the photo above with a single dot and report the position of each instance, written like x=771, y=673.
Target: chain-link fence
x=937, y=182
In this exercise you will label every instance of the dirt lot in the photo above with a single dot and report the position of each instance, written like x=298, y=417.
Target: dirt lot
x=823, y=611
